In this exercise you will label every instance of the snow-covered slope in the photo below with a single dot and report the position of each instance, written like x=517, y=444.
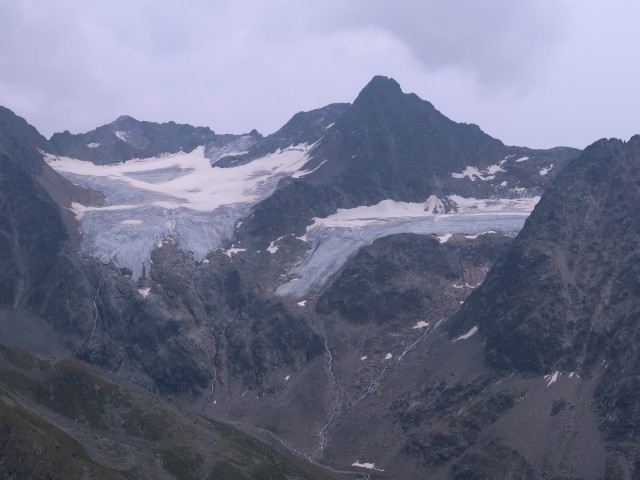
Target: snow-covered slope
x=179, y=195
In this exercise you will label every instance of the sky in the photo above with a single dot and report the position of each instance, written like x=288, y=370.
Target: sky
x=536, y=73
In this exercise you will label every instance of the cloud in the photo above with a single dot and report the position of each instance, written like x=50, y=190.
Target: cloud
x=235, y=66
x=497, y=42
x=522, y=70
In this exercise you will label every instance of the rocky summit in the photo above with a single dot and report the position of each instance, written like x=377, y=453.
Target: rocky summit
x=373, y=291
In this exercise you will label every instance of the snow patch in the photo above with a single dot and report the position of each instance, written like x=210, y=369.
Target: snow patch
x=473, y=173
x=369, y=466
x=273, y=248
x=287, y=377
x=421, y=324
x=78, y=210
x=131, y=222
x=434, y=205
x=121, y=135
x=363, y=357
x=493, y=169
x=522, y=159
x=545, y=170
x=552, y=377
x=302, y=173
x=302, y=303
x=388, y=356
x=473, y=237
x=470, y=333
x=93, y=145
x=233, y=251
x=144, y=291
x=206, y=260
x=444, y=238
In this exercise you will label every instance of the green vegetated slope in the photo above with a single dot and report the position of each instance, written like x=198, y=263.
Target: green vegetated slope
x=62, y=419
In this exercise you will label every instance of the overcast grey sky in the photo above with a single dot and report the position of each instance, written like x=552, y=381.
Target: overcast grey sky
x=538, y=73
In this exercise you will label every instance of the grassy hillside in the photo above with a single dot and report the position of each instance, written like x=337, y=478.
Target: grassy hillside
x=62, y=419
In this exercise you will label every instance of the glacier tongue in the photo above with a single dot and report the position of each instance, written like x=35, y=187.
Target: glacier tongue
x=180, y=196
x=335, y=238
x=112, y=235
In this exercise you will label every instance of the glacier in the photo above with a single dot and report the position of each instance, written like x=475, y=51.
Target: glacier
x=182, y=196
x=186, y=197
x=335, y=238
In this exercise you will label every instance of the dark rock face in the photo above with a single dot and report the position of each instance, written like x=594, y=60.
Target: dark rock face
x=553, y=302
x=400, y=143
x=34, y=237
x=403, y=277
x=200, y=329
x=565, y=297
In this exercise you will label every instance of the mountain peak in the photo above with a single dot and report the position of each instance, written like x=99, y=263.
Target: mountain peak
x=383, y=90
x=380, y=82
x=124, y=120
x=13, y=126
x=379, y=88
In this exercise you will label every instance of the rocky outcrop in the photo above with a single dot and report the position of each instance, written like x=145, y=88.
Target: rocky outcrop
x=303, y=128
x=36, y=231
x=554, y=301
x=565, y=296
x=404, y=277
x=128, y=138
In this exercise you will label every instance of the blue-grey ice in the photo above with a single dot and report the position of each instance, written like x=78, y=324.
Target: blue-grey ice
x=335, y=238
x=181, y=196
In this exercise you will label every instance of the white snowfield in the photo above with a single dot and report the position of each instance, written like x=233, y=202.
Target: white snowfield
x=552, y=378
x=367, y=465
x=335, y=238
x=470, y=333
x=179, y=195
